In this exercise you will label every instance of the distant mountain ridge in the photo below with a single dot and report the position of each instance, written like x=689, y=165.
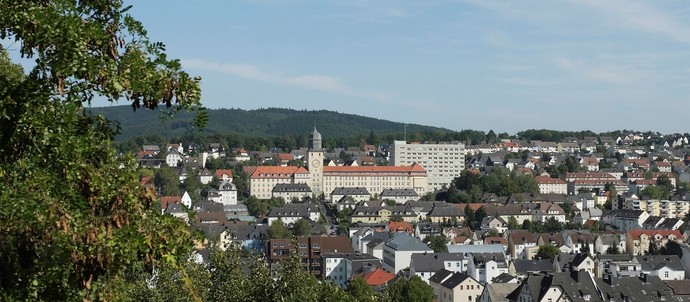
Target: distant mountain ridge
x=257, y=122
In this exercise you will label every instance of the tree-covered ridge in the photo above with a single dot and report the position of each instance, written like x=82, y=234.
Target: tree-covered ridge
x=272, y=122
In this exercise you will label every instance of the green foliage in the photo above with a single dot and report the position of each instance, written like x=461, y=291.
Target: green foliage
x=168, y=181
x=74, y=217
x=552, y=135
x=671, y=248
x=437, y=243
x=613, y=250
x=277, y=230
x=470, y=186
x=547, y=251
x=302, y=227
x=412, y=289
x=360, y=290
x=655, y=192
x=261, y=207
x=513, y=223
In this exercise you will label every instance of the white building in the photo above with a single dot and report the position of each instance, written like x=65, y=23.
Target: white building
x=549, y=185
x=484, y=267
x=397, y=251
x=173, y=158
x=443, y=161
x=226, y=194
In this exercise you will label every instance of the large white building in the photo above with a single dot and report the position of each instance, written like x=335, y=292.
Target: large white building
x=325, y=179
x=443, y=161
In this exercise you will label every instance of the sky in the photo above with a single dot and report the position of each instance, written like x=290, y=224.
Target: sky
x=476, y=64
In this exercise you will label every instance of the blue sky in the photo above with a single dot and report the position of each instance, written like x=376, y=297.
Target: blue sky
x=501, y=65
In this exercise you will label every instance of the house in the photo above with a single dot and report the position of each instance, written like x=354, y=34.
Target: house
x=566, y=286
x=427, y=264
x=604, y=242
x=226, y=194
x=173, y=158
x=400, y=226
x=381, y=214
x=397, y=251
x=518, y=241
x=523, y=267
x=667, y=267
x=497, y=292
x=484, y=267
x=494, y=223
x=224, y=175
x=205, y=176
x=424, y=229
x=579, y=241
x=339, y=267
x=554, y=239
x=176, y=210
x=309, y=249
x=616, y=266
x=378, y=277
x=625, y=220
x=290, y=213
x=455, y=287
x=636, y=288
x=400, y=196
x=250, y=237
x=291, y=192
x=638, y=241
x=357, y=194
x=445, y=214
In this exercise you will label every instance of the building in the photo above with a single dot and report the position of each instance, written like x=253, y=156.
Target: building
x=226, y=194
x=397, y=251
x=455, y=287
x=356, y=193
x=427, y=264
x=309, y=249
x=323, y=180
x=290, y=192
x=551, y=185
x=339, y=267
x=443, y=161
x=638, y=241
x=484, y=267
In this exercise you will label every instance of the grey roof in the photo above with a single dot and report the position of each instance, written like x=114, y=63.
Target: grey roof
x=455, y=280
x=424, y=206
x=433, y=262
x=646, y=288
x=656, y=262
x=608, y=239
x=174, y=208
x=226, y=186
x=249, y=232
x=299, y=187
x=294, y=210
x=399, y=193
x=350, y=191
x=446, y=212
x=525, y=265
x=466, y=249
x=481, y=258
x=504, y=278
x=498, y=291
x=439, y=276
x=405, y=242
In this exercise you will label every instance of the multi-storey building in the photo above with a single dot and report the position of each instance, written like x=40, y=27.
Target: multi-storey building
x=310, y=250
x=443, y=161
x=551, y=185
x=323, y=180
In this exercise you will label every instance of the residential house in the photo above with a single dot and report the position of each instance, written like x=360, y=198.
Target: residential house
x=356, y=193
x=291, y=192
x=637, y=288
x=381, y=214
x=455, y=287
x=521, y=268
x=566, y=286
x=638, y=241
x=484, y=267
x=551, y=185
x=378, y=277
x=446, y=214
x=577, y=240
x=616, y=266
x=604, y=242
x=340, y=267
x=291, y=212
x=425, y=265
x=173, y=158
x=518, y=241
x=400, y=196
x=497, y=292
x=667, y=267
x=497, y=224
x=226, y=194
x=625, y=220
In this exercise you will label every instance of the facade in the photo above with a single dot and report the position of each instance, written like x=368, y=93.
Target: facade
x=426, y=265
x=455, y=287
x=551, y=185
x=484, y=267
x=264, y=178
x=226, y=194
x=291, y=191
x=637, y=242
x=397, y=251
x=356, y=193
x=442, y=161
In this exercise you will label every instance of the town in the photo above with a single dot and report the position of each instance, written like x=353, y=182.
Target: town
x=581, y=219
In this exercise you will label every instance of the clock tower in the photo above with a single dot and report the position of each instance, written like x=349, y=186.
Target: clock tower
x=315, y=163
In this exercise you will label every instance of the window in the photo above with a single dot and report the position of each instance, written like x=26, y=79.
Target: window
x=666, y=274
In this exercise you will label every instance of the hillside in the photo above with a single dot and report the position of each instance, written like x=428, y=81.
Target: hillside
x=260, y=122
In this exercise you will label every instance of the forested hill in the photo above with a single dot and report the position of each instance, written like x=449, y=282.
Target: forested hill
x=272, y=122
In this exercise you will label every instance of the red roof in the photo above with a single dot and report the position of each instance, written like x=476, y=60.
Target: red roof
x=166, y=200
x=400, y=226
x=375, y=169
x=548, y=180
x=378, y=277
x=277, y=171
x=221, y=172
x=285, y=156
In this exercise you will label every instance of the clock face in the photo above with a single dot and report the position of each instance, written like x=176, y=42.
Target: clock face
x=315, y=163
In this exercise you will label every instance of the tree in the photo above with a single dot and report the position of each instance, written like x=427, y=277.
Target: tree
x=552, y=225
x=360, y=290
x=513, y=223
x=91, y=220
x=547, y=251
x=469, y=215
x=412, y=289
x=168, y=181
x=653, y=248
x=613, y=250
x=527, y=225
x=302, y=227
x=277, y=230
x=672, y=248
x=437, y=243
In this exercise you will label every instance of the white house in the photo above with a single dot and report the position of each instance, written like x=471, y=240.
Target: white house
x=455, y=287
x=397, y=251
x=484, y=267
x=290, y=213
x=173, y=158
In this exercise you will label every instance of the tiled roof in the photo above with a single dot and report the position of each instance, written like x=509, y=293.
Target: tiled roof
x=221, y=172
x=635, y=234
x=548, y=180
x=378, y=277
x=277, y=172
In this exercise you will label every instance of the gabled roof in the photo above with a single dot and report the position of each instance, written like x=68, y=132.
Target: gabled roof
x=440, y=276
x=635, y=234
x=533, y=265
x=656, y=262
x=378, y=277
x=221, y=172
x=455, y=280
x=405, y=242
x=433, y=262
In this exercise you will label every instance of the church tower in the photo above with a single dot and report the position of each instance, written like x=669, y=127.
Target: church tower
x=315, y=163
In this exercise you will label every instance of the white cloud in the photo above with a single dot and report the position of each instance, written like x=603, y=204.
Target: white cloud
x=608, y=73
x=312, y=82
